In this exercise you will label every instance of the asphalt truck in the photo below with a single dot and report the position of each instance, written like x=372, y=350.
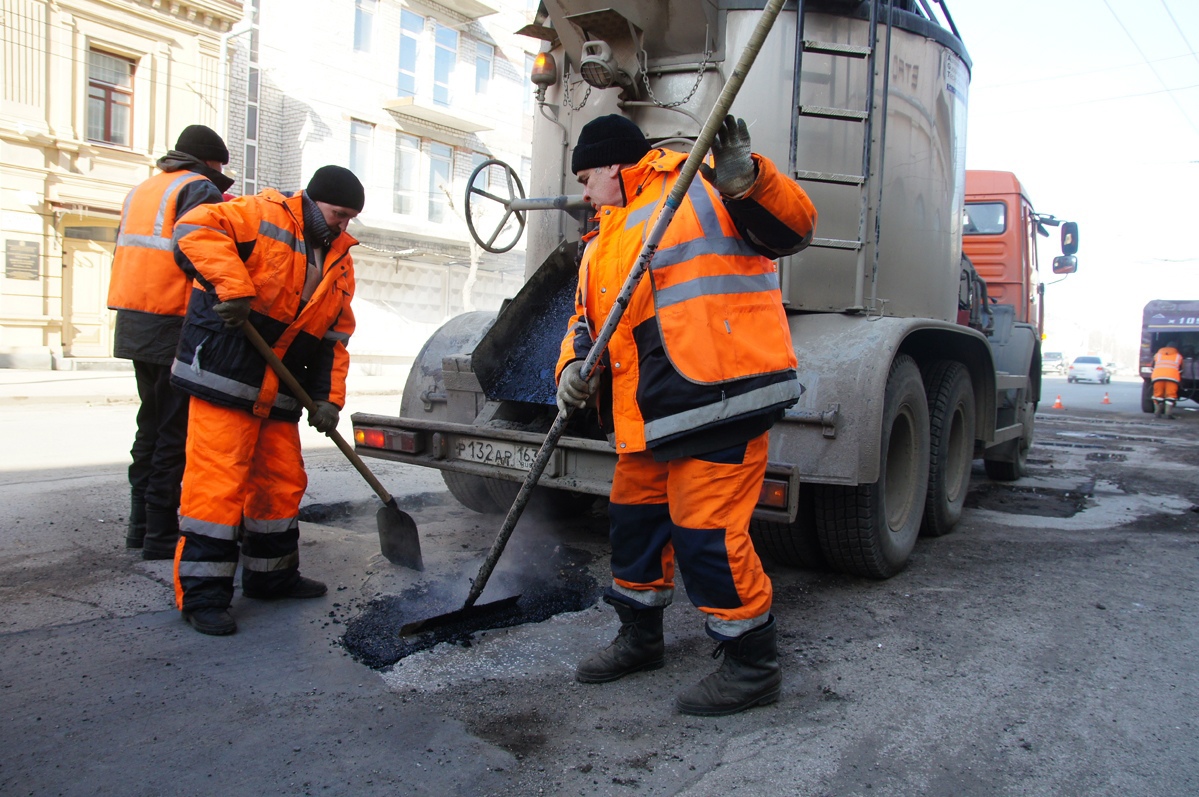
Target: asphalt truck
x=1165, y=321
x=918, y=353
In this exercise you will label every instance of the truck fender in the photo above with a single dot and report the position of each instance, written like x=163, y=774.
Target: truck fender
x=843, y=362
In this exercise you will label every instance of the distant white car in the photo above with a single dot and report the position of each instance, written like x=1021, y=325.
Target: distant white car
x=1053, y=362
x=1088, y=368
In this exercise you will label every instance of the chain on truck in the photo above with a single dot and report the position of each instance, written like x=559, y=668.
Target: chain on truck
x=915, y=312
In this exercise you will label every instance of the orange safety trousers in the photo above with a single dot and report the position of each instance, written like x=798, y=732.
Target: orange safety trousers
x=695, y=510
x=243, y=484
x=1165, y=390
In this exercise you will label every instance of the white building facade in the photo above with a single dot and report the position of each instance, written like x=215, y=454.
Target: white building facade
x=94, y=92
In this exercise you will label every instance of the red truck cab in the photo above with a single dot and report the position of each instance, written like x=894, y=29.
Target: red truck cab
x=999, y=236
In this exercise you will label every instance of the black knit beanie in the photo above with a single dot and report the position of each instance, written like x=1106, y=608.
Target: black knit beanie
x=202, y=143
x=607, y=140
x=336, y=185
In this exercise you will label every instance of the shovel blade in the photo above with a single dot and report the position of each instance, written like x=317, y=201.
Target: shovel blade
x=398, y=538
x=458, y=615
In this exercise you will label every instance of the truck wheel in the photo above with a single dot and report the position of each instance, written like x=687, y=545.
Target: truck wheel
x=951, y=445
x=472, y=492
x=791, y=544
x=1147, y=396
x=1008, y=461
x=870, y=529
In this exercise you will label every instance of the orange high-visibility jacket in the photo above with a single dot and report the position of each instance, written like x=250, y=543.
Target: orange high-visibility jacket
x=704, y=341
x=254, y=246
x=144, y=274
x=1167, y=365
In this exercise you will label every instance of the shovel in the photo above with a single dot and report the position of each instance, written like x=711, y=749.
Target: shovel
x=699, y=150
x=398, y=539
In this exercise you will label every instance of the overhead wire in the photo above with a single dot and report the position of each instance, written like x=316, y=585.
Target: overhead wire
x=1178, y=28
x=1156, y=74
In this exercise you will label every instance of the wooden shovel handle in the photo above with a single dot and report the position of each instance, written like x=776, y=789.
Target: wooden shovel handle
x=279, y=368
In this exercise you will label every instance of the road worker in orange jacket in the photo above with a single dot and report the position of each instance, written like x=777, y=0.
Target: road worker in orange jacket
x=283, y=264
x=1167, y=374
x=701, y=365
x=150, y=293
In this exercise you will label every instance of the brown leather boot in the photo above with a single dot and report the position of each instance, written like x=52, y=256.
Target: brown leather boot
x=749, y=676
x=638, y=646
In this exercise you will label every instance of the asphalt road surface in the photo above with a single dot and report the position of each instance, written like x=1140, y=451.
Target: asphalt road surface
x=1047, y=647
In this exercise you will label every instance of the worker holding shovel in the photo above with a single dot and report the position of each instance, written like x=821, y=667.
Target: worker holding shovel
x=281, y=263
x=698, y=369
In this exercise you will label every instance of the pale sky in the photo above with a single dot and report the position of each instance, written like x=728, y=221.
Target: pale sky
x=1094, y=104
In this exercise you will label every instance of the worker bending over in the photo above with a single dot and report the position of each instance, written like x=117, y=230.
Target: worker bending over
x=699, y=368
x=1167, y=374
x=282, y=263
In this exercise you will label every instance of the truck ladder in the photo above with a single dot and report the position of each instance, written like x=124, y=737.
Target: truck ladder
x=861, y=182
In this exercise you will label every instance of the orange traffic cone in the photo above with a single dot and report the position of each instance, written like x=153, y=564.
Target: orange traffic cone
x=1057, y=404
x=1106, y=400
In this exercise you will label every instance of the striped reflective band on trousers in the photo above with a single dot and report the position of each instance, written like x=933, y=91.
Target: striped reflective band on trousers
x=729, y=407
x=156, y=240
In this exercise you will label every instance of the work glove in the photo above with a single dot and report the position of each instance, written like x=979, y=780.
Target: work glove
x=733, y=172
x=324, y=417
x=573, y=390
x=234, y=312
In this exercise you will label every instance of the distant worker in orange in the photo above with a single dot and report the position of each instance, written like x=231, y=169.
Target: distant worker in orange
x=150, y=293
x=1167, y=373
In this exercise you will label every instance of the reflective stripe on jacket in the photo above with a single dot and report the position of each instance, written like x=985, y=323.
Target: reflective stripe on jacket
x=704, y=340
x=144, y=274
x=1167, y=364
x=254, y=246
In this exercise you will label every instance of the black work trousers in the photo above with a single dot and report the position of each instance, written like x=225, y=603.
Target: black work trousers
x=160, y=446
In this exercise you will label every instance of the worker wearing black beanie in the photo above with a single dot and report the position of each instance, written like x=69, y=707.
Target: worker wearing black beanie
x=606, y=141
x=336, y=185
x=202, y=143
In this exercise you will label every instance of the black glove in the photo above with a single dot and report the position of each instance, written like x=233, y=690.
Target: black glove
x=734, y=171
x=572, y=390
x=234, y=312
x=324, y=417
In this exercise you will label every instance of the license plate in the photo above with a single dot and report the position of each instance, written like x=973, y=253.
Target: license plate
x=495, y=452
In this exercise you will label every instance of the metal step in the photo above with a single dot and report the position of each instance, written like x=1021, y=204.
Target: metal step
x=836, y=243
x=829, y=177
x=834, y=48
x=823, y=112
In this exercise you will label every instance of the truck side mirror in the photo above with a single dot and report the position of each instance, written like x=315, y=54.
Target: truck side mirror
x=1065, y=264
x=1069, y=243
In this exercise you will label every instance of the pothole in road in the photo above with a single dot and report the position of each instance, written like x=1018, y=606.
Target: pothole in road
x=1106, y=456
x=561, y=584
x=1015, y=500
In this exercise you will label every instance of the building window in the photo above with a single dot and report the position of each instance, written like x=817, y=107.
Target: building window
x=441, y=166
x=360, y=148
x=109, y=98
x=484, y=55
x=411, y=26
x=364, y=15
x=443, y=63
x=407, y=174
x=482, y=180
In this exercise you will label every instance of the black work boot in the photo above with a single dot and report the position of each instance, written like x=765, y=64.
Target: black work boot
x=638, y=646
x=1159, y=408
x=749, y=676
x=211, y=621
x=302, y=587
x=162, y=533
x=136, y=532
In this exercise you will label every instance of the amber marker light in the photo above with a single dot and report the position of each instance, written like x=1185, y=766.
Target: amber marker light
x=774, y=494
x=545, y=70
x=371, y=438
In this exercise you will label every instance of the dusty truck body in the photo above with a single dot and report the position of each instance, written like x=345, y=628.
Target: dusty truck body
x=1165, y=321
x=909, y=371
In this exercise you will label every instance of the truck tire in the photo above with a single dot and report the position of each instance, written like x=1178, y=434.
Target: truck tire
x=472, y=492
x=870, y=529
x=1147, y=396
x=1008, y=461
x=951, y=445
x=792, y=544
